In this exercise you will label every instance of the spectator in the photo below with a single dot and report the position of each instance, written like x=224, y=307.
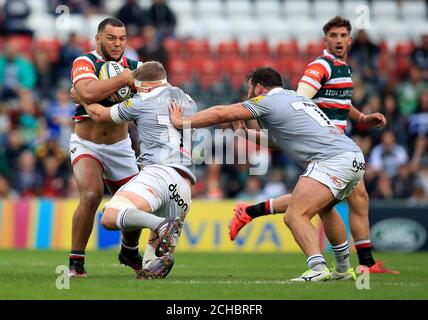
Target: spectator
x=68, y=52
x=420, y=153
x=419, y=55
x=153, y=49
x=395, y=121
x=162, y=17
x=16, y=73
x=59, y=118
x=403, y=183
x=388, y=156
x=15, y=146
x=275, y=187
x=28, y=119
x=418, y=122
x=5, y=191
x=54, y=181
x=45, y=75
x=133, y=16
x=422, y=182
x=16, y=13
x=383, y=187
x=409, y=91
x=364, y=54
x=27, y=179
x=253, y=190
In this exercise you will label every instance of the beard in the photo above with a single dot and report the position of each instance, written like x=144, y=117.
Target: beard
x=107, y=55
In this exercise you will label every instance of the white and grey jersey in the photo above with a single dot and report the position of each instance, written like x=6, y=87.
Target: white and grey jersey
x=160, y=142
x=298, y=127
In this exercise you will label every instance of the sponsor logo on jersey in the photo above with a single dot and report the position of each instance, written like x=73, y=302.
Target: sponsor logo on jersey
x=257, y=99
x=83, y=69
x=313, y=72
x=127, y=103
x=177, y=198
x=73, y=150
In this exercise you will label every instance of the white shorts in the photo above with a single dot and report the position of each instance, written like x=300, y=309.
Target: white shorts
x=167, y=193
x=340, y=173
x=117, y=160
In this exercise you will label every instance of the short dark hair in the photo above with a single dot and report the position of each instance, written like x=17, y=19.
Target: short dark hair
x=150, y=71
x=266, y=76
x=336, y=22
x=111, y=22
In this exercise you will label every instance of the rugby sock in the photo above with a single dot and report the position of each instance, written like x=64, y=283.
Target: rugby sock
x=77, y=255
x=316, y=262
x=260, y=209
x=134, y=219
x=129, y=250
x=364, y=251
x=341, y=254
x=149, y=255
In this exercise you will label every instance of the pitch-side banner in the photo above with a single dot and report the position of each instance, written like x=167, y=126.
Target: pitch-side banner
x=46, y=224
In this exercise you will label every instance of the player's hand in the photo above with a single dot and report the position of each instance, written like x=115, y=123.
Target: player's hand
x=239, y=125
x=76, y=98
x=376, y=119
x=128, y=75
x=176, y=115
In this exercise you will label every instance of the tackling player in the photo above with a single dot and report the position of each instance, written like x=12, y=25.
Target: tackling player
x=159, y=197
x=328, y=82
x=97, y=150
x=334, y=163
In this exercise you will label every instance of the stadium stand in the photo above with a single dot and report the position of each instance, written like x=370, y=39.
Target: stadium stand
x=214, y=44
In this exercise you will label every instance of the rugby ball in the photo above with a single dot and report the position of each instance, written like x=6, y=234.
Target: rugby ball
x=112, y=69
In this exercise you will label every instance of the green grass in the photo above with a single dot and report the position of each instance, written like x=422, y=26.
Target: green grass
x=31, y=275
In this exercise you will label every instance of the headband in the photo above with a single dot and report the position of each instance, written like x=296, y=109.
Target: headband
x=139, y=83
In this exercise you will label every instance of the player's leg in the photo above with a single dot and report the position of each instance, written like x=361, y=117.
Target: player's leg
x=88, y=174
x=300, y=211
x=358, y=202
x=128, y=254
x=155, y=267
x=335, y=231
x=244, y=213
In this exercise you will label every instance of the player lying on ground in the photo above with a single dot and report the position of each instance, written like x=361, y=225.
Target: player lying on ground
x=328, y=81
x=334, y=163
x=160, y=196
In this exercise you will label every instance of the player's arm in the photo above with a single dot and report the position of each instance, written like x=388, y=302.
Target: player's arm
x=210, y=116
x=253, y=134
x=98, y=112
x=371, y=120
x=92, y=90
x=89, y=88
x=315, y=74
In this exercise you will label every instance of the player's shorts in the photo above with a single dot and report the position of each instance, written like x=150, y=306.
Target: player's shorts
x=166, y=191
x=340, y=173
x=117, y=160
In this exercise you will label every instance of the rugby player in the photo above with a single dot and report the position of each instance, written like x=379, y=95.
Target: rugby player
x=334, y=163
x=97, y=150
x=159, y=197
x=328, y=82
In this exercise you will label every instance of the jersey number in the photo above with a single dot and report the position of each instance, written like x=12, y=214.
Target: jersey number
x=313, y=111
x=173, y=136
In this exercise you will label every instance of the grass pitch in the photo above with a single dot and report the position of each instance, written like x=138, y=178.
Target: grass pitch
x=198, y=276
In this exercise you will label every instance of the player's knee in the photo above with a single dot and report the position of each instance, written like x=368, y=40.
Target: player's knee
x=108, y=219
x=288, y=220
x=360, y=198
x=91, y=199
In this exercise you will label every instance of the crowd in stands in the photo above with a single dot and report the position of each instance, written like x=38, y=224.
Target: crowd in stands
x=35, y=109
